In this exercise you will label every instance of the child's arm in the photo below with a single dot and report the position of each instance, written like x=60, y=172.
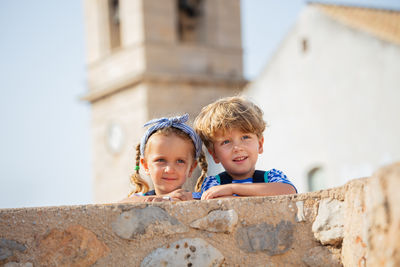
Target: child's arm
x=254, y=189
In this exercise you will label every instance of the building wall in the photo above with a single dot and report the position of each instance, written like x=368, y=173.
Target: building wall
x=330, y=96
x=112, y=168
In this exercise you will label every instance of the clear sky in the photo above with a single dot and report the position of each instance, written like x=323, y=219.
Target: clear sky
x=45, y=144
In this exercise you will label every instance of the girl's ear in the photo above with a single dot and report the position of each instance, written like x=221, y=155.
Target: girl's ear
x=211, y=151
x=145, y=166
x=194, y=165
x=260, y=145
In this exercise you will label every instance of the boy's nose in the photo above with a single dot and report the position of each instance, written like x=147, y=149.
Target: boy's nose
x=237, y=147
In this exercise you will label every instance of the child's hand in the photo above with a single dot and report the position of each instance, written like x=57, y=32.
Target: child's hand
x=181, y=194
x=218, y=191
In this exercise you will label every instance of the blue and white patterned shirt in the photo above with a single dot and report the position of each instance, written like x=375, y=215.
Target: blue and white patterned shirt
x=271, y=176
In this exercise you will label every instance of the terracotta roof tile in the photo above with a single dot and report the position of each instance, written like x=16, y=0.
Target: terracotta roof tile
x=384, y=24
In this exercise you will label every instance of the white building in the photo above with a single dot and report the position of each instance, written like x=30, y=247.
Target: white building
x=331, y=96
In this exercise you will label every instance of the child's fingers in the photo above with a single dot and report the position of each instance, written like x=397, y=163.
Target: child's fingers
x=181, y=194
x=207, y=195
x=149, y=199
x=211, y=193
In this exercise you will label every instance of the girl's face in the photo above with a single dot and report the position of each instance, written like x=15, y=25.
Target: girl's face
x=168, y=161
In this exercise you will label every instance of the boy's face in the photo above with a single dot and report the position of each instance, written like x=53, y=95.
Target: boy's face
x=237, y=152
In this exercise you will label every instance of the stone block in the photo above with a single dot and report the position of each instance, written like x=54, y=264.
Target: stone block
x=355, y=238
x=320, y=257
x=328, y=225
x=217, y=221
x=75, y=246
x=18, y=264
x=184, y=253
x=148, y=222
x=300, y=211
x=383, y=217
x=7, y=248
x=272, y=239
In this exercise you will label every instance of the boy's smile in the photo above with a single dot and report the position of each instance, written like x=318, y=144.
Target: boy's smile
x=239, y=159
x=237, y=152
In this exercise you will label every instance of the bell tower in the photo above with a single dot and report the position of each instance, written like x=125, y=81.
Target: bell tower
x=152, y=58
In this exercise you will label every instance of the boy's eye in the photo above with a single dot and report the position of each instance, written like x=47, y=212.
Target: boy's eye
x=225, y=142
x=180, y=161
x=246, y=137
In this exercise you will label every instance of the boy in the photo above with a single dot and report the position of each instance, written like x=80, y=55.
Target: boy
x=232, y=130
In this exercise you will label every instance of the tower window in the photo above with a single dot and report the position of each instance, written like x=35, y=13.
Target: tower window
x=114, y=23
x=190, y=20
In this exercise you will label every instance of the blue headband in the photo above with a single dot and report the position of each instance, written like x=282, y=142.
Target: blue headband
x=176, y=122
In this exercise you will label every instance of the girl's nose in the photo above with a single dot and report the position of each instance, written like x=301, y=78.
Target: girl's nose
x=169, y=169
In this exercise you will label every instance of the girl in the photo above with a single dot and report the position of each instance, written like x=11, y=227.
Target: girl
x=168, y=152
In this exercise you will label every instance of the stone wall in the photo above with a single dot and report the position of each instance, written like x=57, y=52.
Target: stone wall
x=353, y=225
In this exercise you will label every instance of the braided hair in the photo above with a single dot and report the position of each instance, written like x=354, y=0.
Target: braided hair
x=140, y=184
x=204, y=168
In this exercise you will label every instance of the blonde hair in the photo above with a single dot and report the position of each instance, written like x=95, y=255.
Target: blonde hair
x=204, y=167
x=226, y=114
x=140, y=184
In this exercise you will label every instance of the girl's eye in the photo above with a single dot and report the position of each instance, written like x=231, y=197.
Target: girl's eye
x=225, y=142
x=180, y=161
x=160, y=160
